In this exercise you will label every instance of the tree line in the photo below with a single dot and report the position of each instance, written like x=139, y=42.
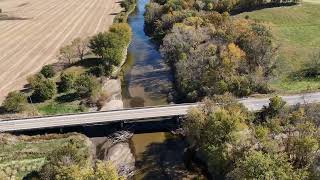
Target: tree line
x=108, y=49
x=211, y=52
x=279, y=142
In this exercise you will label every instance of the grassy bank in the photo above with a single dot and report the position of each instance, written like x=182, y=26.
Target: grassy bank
x=296, y=30
x=20, y=155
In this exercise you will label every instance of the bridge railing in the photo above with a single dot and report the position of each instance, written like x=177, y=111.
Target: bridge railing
x=98, y=112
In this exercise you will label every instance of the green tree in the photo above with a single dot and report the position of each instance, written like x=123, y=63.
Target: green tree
x=67, y=82
x=45, y=89
x=102, y=41
x=48, y=71
x=104, y=171
x=15, y=102
x=87, y=86
x=258, y=165
x=123, y=30
x=220, y=133
x=113, y=56
x=35, y=80
x=276, y=104
x=64, y=161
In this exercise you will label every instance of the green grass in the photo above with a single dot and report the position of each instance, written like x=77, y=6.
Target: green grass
x=51, y=108
x=68, y=104
x=21, y=155
x=296, y=31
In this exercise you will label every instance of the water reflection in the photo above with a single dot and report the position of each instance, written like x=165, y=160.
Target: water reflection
x=146, y=76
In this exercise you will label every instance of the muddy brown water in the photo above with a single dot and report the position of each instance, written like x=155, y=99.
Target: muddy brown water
x=147, y=80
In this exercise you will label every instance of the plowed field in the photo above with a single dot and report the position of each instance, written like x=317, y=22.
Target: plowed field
x=27, y=45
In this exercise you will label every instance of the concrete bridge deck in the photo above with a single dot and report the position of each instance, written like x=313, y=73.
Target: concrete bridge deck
x=135, y=114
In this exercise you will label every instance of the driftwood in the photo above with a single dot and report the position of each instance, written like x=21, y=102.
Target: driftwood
x=120, y=136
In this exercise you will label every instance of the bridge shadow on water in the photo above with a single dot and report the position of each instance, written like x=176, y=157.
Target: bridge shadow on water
x=103, y=130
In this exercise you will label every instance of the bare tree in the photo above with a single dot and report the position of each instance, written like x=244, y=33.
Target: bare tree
x=81, y=47
x=67, y=54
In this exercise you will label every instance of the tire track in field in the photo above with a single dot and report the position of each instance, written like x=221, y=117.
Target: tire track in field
x=29, y=28
x=41, y=44
x=24, y=22
x=78, y=19
x=42, y=39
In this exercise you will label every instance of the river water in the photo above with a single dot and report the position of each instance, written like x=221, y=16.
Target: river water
x=146, y=78
x=146, y=81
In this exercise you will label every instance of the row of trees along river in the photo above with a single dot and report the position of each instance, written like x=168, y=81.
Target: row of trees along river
x=147, y=81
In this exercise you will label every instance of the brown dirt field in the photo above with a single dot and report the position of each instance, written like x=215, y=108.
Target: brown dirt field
x=27, y=45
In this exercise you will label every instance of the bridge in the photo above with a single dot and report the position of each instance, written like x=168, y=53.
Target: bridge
x=135, y=114
x=123, y=115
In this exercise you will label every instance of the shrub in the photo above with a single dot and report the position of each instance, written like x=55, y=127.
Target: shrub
x=45, y=90
x=67, y=82
x=123, y=30
x=86, y=86
x=35, y=80
x=15, y=102
x=48, y=71
x=97, y=71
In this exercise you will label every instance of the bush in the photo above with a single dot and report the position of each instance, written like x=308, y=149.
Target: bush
x=45, y=90
x=67, y=82
x=15, y=102
x=101, y=70
x=48, y=71
x=87, y=86
x=35, y=80
x=123, y=30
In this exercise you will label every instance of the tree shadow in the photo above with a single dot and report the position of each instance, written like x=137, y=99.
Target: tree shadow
x=89, y=62
x=262, y=6
x=32, y=176
x=164, y=160
x=114, y=14
x=70, y=97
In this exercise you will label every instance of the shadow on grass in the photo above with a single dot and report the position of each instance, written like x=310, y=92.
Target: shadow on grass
x=70, y=97
x=88, y=62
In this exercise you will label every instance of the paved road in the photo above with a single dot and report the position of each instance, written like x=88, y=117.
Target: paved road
x=254, y=104
x=134, y=114
x=96, y=117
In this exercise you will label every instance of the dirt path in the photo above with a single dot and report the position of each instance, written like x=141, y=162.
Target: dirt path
x=27, y=45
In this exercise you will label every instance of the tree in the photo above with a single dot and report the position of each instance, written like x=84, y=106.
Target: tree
x=220, y=133
x=74, y=162
x=258, y=165
x=15, y=102
x=276, y=104
x=104, y=171
x=87, y=86
x=44, y=90
x=67, y=54
x=67, y=81
x=35, y=80
x=123, y=30
x=113, y=56
x=48, y=71
x=81, y=47
x=67, y=162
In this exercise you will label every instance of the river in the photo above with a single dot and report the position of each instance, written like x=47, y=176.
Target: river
x=146, y=78
x=146, y=81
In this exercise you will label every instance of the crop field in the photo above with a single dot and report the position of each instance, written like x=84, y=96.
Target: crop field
x=40, y=28
x=296, y=30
